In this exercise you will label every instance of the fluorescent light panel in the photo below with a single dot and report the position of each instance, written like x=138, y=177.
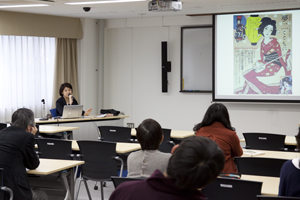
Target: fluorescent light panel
x=22, y=6
x=98, y=2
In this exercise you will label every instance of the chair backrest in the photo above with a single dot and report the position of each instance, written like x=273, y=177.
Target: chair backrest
x=53, y=112
x=259, y=166
x=115, y=133
x=98, y=156
x=264, y=141
x=166, y=146
x=262, y=197
x=9, y=193
x=233, y=189
x=3, y=126
x=54, y=148
x=118, y=180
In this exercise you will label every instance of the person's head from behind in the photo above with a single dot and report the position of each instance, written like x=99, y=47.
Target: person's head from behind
x=23, y=118
x=65, y=89
x=195, y=163
x=216, y=112
x=149, y=134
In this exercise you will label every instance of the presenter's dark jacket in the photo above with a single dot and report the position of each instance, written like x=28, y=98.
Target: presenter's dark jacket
x=157, y=186
x=17, y=152
x=227, y=140
x=61, y=102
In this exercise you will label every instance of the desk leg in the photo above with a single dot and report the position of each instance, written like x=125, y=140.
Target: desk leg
x=72, y=184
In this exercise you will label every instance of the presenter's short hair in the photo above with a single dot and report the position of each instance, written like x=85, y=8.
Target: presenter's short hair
x=149, y=134
x=23, y=118
x=63, y=86
x=195, y=163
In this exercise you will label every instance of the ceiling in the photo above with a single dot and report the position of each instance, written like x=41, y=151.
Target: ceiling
x=140, y=9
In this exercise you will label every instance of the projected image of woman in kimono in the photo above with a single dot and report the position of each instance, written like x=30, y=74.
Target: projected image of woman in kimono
x=271, y=61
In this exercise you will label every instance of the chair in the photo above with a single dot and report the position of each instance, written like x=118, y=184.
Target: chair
x=233, y=189
x=53, y=112
x=100, y=163
x=3, y=188
x=115, y=133
x=118, y=180
x=261, y=197
x=166, y=145
x=259, y=166
x=55, y=148
x=3, y=126
x=264, y=141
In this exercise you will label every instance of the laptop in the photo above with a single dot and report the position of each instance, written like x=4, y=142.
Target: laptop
x=72, y=111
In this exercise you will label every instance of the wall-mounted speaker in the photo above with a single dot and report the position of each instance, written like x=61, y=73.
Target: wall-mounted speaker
x=165, y=66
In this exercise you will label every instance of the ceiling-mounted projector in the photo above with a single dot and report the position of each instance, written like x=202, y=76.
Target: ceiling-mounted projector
x=165, y=5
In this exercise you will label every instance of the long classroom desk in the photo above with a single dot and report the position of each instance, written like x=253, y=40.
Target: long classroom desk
x=289, y=140
x=120, y=148
x=270, y=185
x=174, y=134
x=273, y=154
x=88, y=126
x=82, y=119
x=50, y=166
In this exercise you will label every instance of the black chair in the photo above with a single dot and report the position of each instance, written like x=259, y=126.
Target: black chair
x=259, y=166
x=4, y=188
x=264, y=141
x=3, y=126
x=115, y=133
x=261, y=197
x=118, y=180
x=166, y=145
x=54, y=148
x=100, y=163
x=232, y=189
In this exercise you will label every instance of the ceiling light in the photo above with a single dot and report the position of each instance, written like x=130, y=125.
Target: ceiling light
x=22, y=6
x=98, y=2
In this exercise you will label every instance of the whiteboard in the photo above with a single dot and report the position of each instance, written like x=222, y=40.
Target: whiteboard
x=196, y=59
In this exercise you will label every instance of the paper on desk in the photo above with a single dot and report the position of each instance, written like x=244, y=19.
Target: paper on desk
x=101, y=115
x=253, y=153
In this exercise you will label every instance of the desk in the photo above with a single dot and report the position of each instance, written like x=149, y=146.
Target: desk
x=120, y=148
x=50, y=166
x=289, y=140
x=83, y=119
x=270, y=185
x=174, y=134
x=58, y=129
x=274, y=154
x=88, y=126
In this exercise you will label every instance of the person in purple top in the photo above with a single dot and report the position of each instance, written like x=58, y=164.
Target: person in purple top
x=290, y=176
x=195, y=163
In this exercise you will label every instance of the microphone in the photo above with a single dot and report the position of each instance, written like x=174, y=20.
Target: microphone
x=70, y=94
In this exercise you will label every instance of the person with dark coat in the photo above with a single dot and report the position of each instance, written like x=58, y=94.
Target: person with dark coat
x=17, y=152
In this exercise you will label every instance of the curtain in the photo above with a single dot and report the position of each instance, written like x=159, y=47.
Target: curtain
x=65, y=66
x=26, y=69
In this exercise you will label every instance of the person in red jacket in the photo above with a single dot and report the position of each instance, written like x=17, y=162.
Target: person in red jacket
x=216, y=126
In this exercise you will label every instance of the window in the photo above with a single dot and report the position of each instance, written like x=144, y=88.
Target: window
x=26, y=69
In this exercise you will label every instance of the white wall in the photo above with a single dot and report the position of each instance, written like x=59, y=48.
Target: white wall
x=132, y=80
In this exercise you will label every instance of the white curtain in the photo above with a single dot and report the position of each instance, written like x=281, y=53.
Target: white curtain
x=26, y=74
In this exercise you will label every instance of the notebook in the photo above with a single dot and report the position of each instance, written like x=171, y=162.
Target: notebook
x=72, y=111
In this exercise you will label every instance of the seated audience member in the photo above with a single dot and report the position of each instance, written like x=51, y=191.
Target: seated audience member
x=144, y=162
x=17, y=152
x=66, y=98
x=195, y=163
x=290, y=176
x=216, y=126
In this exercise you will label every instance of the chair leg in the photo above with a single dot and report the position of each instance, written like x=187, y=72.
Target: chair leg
x=76, y=197
x=87, y=189
x=102, y=195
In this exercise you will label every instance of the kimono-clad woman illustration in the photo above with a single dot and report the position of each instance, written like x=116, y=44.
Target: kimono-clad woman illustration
x=270, y=63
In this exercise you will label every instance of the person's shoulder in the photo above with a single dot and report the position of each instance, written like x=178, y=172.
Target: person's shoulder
x=165, y=155
x=134, y=154
x=60, y=99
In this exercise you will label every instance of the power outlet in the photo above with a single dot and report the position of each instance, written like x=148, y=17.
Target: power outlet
x=130, y=125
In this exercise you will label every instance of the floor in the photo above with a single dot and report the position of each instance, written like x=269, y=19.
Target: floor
x=95, y=194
